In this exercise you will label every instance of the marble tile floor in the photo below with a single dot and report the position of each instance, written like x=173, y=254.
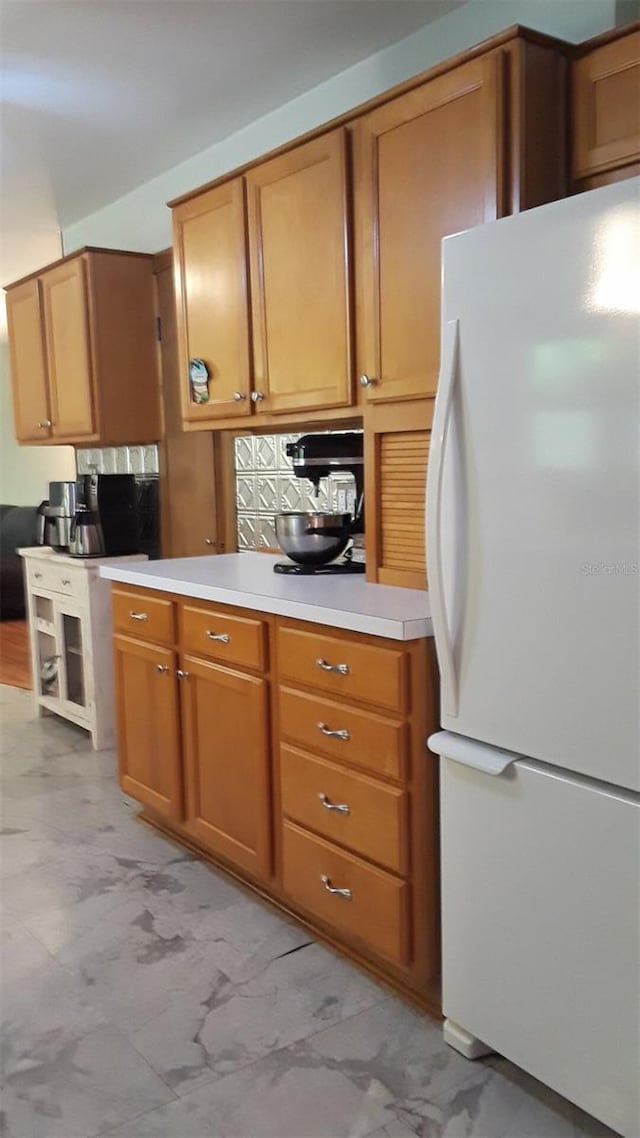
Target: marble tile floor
x=144, y=996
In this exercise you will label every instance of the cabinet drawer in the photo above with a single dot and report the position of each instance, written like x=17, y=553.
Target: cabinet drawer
x=56, y=579
x=223, y=636
x=375, y=912
x=367, y=672
x=356, y=811
x=365, y=740
x=148, y=618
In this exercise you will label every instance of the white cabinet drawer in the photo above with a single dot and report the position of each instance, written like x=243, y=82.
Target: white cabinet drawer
x=63, y=578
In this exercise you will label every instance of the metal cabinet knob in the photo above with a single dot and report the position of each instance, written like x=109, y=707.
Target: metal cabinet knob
x=66, y=581
x=367, y=381
x=182, y=675
x=223, y=637
x=162, y=667
x=341, y=669
x=209, y=541
x=257, y=396
x=37, y=576
x=341, y=807
x=44, y=423
x=326, y=881
x=344, y=735
x=239, y=396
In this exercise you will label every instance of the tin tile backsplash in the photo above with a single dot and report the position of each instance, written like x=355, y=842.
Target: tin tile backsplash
x=139, y=460
x=266, y=486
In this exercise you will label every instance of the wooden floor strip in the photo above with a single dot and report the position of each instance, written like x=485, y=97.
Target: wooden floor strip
x=15, y=665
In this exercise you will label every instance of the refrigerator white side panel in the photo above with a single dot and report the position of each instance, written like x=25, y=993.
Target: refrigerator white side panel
x=539, y=538
x=541, y=938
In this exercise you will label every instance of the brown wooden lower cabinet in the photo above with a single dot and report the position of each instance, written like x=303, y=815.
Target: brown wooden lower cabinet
x=321, y=800
x=148, y=725
x=367, y=904
x=226, y=763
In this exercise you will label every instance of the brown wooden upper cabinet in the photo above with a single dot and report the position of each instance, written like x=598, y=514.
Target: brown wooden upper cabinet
x=210, y=252
x=299, y=250
x=427, y=164
x=606, y=110
x=83, y=351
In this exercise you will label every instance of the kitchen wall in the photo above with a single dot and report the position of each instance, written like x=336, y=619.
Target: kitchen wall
x=140, y=219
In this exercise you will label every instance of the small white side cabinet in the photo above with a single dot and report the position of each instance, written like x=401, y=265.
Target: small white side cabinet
x=70, y=635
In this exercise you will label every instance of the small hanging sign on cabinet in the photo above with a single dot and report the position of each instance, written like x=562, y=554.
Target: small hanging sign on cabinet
x=199, y=379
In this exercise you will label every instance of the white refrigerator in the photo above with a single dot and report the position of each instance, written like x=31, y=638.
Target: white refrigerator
x=533, y=546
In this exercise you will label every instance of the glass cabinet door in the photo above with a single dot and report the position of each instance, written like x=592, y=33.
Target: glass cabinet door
x=71, y=652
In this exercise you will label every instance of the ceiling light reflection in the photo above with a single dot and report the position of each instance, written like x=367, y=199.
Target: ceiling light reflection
x=616, y=280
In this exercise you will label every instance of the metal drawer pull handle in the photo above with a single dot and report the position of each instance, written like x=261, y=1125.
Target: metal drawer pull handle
x=341, y=807
x=182, y=675
x=334, y=734
x=162, y=667
x=37, y=576
x=223, y=637
x=326, y=881
x=66, y=581
x=138, y=615
x=342, y=669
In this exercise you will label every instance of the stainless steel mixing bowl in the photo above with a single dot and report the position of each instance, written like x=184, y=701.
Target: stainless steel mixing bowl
x=313, y=538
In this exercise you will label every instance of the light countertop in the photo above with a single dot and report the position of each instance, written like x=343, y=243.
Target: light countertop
x=248, y=581
x=54, y=557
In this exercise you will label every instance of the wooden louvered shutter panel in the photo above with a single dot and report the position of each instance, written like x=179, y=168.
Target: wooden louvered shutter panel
x=403, y=474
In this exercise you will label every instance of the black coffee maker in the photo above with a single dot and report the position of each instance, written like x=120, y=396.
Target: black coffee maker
x=108, y=503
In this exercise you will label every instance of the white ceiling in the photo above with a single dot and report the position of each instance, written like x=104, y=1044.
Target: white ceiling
x=101, y=95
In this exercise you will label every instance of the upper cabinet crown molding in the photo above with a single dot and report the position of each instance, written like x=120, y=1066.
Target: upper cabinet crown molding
x=83, y=351
x=606, y=106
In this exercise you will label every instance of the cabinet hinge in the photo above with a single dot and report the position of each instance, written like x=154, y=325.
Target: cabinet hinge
x=158, y=328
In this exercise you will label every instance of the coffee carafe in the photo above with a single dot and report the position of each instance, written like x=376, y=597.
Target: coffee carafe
x=87, y=539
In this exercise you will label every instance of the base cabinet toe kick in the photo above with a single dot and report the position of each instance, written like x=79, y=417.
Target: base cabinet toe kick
x=309, y=784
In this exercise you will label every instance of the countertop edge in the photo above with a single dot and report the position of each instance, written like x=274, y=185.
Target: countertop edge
x=393, y=629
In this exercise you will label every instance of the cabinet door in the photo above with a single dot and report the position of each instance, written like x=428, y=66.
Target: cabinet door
x=75, y=656
x=225, y=732
x=66, y=321
x=427, y=164
x=298, y=243
x=211, y=295
x=187, y=460
x=28, y=366
x=606, y=107
x=148, y=725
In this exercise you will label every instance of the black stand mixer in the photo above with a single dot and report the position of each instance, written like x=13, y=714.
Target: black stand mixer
x=313, y=540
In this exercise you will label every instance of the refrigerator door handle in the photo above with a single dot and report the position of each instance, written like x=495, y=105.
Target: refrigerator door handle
x=446, y=380
x=480, y=756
